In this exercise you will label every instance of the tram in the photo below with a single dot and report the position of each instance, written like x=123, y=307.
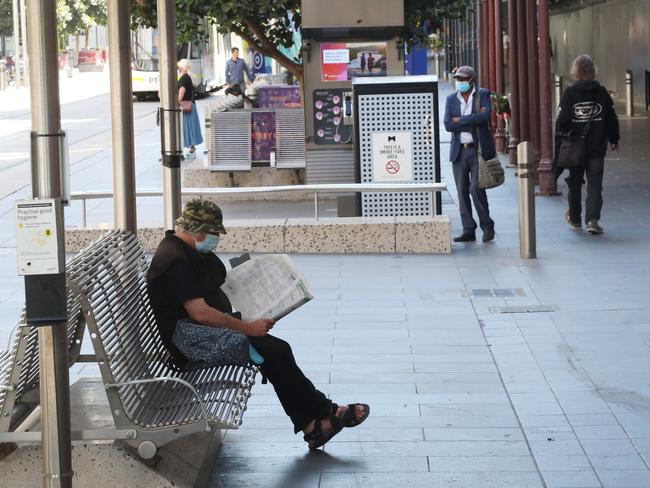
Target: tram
x=145, y=70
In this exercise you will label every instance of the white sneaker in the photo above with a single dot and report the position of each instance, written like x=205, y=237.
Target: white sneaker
x=190, y=155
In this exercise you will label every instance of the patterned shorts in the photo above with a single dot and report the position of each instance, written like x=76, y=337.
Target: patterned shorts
x=212, y=346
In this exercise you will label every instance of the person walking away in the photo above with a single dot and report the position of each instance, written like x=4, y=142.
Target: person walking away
x=199, y=328
x=235, y=69
x=470, y=131
x=191, y=125
x=586, y=101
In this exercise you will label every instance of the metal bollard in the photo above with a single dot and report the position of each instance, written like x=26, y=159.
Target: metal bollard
x=629, y=93
x=3, y=78
x=527, y=236
x=70, y=64
x=559, y=81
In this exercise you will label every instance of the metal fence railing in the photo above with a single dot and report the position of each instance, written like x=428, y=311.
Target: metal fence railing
x=316, y=189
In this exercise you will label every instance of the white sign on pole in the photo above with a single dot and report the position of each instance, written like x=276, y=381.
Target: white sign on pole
x=36, y=237
x=392, y=157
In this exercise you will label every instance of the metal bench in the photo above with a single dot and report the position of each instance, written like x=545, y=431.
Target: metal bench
x=152, y=402
x=19, y=363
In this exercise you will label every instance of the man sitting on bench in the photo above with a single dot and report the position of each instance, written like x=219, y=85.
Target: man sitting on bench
x=198, y=327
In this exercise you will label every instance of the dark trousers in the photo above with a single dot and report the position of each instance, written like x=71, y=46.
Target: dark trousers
x=466, y=177
x=300, y=399
x=594, y=169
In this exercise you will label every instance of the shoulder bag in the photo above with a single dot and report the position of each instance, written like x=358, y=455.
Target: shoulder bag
x=490, y=172
x=573, y=147
x=186, y=105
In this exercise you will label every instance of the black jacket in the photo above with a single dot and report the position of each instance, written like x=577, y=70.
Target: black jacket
x=210, y=272
x=584, y=100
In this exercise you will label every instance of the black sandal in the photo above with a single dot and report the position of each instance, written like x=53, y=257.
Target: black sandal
x=317, y=438
x=349, y=418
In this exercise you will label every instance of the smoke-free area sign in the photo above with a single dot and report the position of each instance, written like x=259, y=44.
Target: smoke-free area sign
x=392, y=158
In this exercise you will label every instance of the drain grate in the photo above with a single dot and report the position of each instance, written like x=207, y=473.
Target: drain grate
x=494, y=292
x=524, y=309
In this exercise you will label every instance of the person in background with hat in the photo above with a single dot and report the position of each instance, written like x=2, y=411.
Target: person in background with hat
x=197, y=325
x=470, y=130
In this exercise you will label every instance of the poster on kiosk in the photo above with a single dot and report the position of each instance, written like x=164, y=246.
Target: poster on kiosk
x=392, y=157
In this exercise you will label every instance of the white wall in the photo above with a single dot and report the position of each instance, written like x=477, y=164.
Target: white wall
x=615, y=33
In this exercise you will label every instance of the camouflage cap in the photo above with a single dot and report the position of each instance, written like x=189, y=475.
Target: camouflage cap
x=202, y=215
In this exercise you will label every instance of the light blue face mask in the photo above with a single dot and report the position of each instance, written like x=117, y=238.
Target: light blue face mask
x=463, y=86
x=207, y=245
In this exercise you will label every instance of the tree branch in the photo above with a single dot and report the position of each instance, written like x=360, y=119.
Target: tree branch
x=269, y=49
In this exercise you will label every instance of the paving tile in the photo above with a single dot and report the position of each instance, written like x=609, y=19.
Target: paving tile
x=428, y=480
x=624, y=479
x=473, y=434
x=571, y=479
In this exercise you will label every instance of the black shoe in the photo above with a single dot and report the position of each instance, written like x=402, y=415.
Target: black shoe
x=465, y=238
x=488, y=235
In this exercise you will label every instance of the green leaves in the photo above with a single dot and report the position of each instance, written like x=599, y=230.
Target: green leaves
x=268, y=24
x=75, y=17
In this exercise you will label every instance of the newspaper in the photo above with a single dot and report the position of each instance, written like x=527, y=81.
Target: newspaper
x=266, y=287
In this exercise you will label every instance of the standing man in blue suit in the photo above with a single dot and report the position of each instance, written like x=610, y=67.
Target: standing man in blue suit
x=470, y=130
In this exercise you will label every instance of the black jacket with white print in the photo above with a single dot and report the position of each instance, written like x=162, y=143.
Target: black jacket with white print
x=585, y=100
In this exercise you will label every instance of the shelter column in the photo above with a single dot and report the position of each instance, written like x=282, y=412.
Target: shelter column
x=547, y=182
x=119, y=41
x=500, y=138
x=46, y=155
x=170, y=118
x=513, y=63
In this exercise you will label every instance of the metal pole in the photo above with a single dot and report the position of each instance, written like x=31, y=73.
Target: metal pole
x=527, y=237
x=17, y=72
x=500, y=138
x=3, y=77
x=119, y=42
x=513, y=70
x=547, y=182
x=52, y=340
x=629, y=93
x=559, y=81
x=23, y=38
x=172, y=153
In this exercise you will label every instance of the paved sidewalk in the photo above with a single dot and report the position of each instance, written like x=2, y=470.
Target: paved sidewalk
x=462, y=394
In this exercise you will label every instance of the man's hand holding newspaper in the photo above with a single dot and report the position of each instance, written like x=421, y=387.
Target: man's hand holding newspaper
x=267, y=286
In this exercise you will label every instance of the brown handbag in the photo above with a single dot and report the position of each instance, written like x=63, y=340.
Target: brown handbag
x=186, y=105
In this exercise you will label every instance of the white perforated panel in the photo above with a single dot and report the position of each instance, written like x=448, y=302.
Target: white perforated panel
x=397, y=112
x=230, y=141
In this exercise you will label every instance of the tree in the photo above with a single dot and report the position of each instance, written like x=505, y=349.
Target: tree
x=76, y=17
x=268, y=24
x=6, y=23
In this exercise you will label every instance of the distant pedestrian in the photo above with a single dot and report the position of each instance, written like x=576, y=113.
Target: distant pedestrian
x=191, y=125
x=470, y=131
x=587, y=101
x=371, y=62
x=362, y=62
x=505, y=38
x=235, y=69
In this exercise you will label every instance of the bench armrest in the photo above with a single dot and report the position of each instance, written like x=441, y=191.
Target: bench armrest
x=164, y=379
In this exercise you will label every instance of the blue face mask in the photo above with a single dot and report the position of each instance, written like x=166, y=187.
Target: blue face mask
x=463, y=86
x=207, y=245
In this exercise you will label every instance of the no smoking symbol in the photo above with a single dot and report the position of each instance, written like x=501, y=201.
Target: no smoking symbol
x=392, y=167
